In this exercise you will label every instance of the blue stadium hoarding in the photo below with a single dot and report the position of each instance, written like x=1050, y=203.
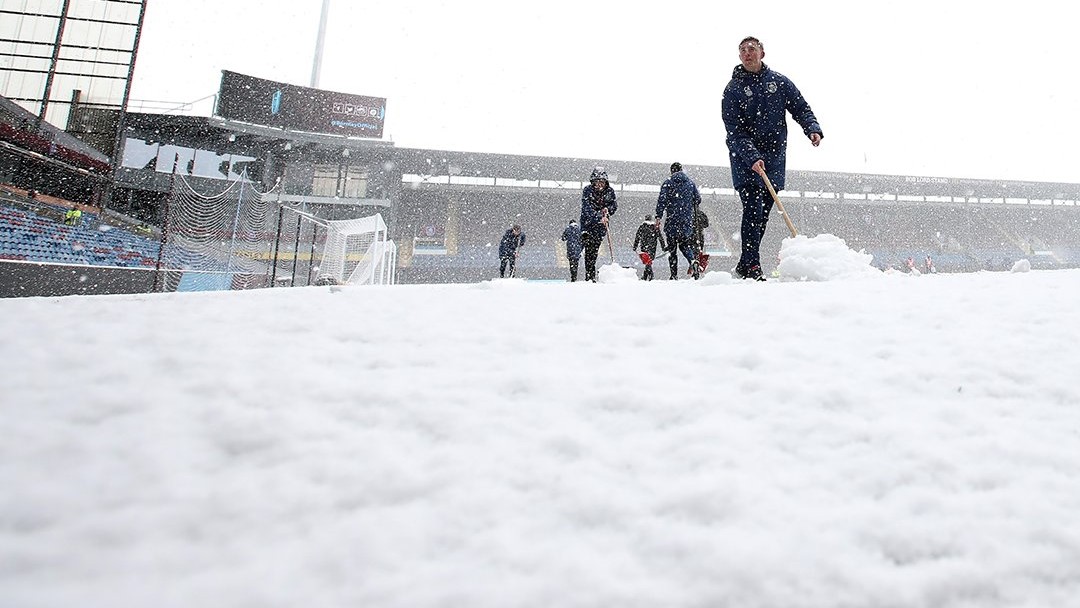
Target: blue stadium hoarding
x=285, y=106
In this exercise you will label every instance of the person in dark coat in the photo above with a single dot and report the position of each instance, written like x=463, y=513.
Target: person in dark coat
x=572, y=236
x=597, y=205
x=679, y=199
x=648, y=235
x=508, y=247
x=701, y=222
x=754, y=109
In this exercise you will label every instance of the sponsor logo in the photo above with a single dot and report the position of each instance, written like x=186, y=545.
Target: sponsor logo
x=352, y=124
x=748, y=92
x=770, y=87
x=356, y=110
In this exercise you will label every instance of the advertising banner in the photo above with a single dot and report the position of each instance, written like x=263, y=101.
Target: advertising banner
x=285, y=106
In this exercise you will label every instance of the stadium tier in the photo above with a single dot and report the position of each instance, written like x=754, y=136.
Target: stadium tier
x=28, y=236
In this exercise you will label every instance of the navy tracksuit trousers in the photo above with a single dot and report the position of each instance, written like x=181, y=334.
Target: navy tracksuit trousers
x=756, y=204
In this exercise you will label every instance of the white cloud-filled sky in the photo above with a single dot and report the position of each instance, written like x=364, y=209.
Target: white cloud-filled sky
x=868, y=439
x=983, y=90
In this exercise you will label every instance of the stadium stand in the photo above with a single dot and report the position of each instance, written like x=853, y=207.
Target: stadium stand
x=959, y=237
x=27, y=235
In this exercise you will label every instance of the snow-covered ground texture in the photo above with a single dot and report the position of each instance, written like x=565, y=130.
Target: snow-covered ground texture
x=897, y=442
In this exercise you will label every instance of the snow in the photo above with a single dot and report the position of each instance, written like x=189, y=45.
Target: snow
x=1021, y=265
x=613, y=273
x=837, y=441
x=825, y=257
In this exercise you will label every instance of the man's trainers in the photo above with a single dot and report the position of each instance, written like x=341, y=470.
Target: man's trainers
x=754, y=273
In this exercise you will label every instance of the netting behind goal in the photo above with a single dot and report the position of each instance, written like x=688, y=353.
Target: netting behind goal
x=215, y=241
x=358, y=252
x=243, y=238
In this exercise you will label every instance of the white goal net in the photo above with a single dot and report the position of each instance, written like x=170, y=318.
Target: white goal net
x=216, y=241
x=358, y=252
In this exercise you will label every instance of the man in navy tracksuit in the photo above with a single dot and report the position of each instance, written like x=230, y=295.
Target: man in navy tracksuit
x=572, y=236
x=597, y=205
x=679, y=199
x=508, y=247
x=754, y=107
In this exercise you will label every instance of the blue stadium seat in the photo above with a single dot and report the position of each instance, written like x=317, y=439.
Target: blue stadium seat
x=25, y=235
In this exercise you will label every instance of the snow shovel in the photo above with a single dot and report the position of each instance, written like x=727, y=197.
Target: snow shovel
x=610, y=249
x=779, y=205
x=611, y=252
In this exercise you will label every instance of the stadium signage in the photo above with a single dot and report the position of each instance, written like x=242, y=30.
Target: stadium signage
x=285, y=106
x=912, y=179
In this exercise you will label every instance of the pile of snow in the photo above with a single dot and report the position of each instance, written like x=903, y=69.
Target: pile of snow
x=717, y=276
x=613, y=273
x=501, y=283
x=825, y=257
x=1023, y=265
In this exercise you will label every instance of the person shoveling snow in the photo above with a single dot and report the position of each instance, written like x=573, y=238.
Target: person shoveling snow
x=755, y=106
x=676, y=206
x=597, y=205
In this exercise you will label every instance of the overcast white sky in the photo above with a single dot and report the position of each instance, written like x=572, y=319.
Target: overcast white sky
x=919, y=88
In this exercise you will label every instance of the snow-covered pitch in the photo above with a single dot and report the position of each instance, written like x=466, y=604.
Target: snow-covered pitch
x=852, y=439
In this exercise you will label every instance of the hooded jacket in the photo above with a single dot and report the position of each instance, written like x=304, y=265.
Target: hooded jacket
x=593, y=203
x=679, y=198
x=754, y=111
x=647, y=236
x=572, y=236
x=510, y=242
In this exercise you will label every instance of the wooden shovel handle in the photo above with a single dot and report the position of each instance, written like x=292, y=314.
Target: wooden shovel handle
x=779, y=205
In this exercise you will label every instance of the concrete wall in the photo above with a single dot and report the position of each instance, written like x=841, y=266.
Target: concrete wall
x=29, y=279
x=42, y=279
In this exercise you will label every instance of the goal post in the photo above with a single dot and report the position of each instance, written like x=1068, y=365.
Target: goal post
x=358, y=252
